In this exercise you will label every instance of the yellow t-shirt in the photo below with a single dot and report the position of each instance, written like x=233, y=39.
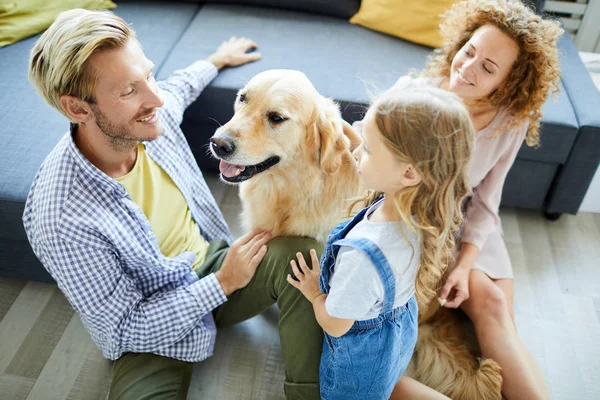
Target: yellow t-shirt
x=165, y=207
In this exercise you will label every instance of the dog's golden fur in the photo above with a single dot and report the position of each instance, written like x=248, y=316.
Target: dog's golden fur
x=443, y=361
x=305, y=193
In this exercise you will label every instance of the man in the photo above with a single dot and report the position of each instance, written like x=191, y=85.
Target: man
x=120, y=216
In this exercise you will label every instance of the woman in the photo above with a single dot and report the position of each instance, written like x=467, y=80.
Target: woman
x=501, y=59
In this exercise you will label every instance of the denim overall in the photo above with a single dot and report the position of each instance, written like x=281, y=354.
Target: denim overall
x=366, y=362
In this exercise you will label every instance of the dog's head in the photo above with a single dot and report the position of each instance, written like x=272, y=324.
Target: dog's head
x=279, y=120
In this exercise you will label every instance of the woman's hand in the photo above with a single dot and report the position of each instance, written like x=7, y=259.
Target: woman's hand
x=308, y=278
x=456, y=289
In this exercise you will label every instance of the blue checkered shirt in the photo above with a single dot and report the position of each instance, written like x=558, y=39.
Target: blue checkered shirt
x=99, y=246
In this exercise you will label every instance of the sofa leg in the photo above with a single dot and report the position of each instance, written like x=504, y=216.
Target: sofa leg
x=550, y=216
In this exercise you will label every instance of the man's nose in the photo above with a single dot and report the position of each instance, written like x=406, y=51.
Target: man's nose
x=222, y=145
x=153, y=97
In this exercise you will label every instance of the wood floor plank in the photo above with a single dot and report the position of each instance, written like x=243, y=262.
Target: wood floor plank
x=583, y=337
x=65, y=364
x=10, y=289
x=596, y=301
x=557, y=311
x=245, y=366
x=218, y=188
x=539, y=264
x=15, y=387
x=21, y=318
x=94, y=379
x=273, y=376
x=596, y=218
x=232, y=216
x=510, y=226
x=42, y=338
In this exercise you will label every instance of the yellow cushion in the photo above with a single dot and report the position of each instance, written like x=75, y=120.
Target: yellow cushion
x=23, y=18
x=414, y=20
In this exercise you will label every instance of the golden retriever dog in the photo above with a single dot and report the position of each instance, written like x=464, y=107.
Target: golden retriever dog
x=286, y=148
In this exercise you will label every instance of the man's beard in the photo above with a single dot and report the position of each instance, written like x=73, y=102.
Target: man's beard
x=120, y=136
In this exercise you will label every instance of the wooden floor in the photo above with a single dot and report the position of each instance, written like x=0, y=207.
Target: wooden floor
x=45, y=353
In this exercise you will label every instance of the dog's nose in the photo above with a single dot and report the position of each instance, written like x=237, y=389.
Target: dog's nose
x=222, y=146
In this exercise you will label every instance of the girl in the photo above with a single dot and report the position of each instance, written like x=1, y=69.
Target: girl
x=413, y=159
x=501, y=59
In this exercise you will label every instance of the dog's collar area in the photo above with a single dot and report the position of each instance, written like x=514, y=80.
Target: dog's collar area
x=248, y=170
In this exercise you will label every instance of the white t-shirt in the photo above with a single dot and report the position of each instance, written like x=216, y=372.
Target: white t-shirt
x=356, y=289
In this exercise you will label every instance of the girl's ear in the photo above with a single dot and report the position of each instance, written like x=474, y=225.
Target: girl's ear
x=410, y=176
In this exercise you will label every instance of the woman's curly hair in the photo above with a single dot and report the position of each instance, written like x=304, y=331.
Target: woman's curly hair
x=535, y=72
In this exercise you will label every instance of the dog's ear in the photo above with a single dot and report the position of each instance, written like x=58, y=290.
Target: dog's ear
x=328, y=141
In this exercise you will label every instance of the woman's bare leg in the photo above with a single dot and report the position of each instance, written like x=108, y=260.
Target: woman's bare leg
x=487, y=307
x=410, y=389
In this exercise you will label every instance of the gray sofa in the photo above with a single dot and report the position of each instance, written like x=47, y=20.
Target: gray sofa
x=343, y=61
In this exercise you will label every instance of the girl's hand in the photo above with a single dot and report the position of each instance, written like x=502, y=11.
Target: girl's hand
x=308, y=278
x=456, y=289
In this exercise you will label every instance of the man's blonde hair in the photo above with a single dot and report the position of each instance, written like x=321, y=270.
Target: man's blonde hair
x=58, y=60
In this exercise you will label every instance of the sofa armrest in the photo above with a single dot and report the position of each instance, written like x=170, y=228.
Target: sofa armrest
x=574, y=177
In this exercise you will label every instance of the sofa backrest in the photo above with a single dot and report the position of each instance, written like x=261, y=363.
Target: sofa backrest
x=335, y=8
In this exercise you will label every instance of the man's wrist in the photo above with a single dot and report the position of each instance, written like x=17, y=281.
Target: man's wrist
x=227, y=287
x=217, y=61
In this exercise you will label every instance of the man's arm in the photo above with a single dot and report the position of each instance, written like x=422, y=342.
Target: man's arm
x=184, y=86
x=118, y=315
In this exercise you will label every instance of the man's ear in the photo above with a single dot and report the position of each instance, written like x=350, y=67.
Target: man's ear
x=410, y=176
x=77, y=109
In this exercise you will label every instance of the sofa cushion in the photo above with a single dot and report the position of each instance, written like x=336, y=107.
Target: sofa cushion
x=412, y=20
x=29, y=128
x=22, y=19
x=343, y=61
x=335, y=8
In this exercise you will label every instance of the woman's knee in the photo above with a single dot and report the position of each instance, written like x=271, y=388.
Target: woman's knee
x=488, y=303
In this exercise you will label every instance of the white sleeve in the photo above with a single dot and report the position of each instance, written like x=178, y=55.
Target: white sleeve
x=355, y=286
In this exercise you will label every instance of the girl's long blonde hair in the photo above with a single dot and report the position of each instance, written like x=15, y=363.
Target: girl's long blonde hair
x=536, y=71
x=431, y=129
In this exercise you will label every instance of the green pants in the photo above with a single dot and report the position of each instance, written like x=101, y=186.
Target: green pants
x=149, y=376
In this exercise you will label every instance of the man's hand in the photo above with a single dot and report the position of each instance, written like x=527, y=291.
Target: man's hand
x=308, y=279
x=456, y=289
x=244, y=256
x=233, y=53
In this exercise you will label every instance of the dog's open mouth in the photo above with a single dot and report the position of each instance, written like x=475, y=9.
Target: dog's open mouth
x=239, y=173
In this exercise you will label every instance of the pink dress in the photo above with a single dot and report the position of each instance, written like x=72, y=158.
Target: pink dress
x=494, y=153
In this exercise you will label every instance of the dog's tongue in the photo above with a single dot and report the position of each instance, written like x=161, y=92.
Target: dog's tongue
x=230, y=170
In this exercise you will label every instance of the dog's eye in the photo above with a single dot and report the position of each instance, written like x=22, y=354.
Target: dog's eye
x=275, y=118
x=242, y=98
